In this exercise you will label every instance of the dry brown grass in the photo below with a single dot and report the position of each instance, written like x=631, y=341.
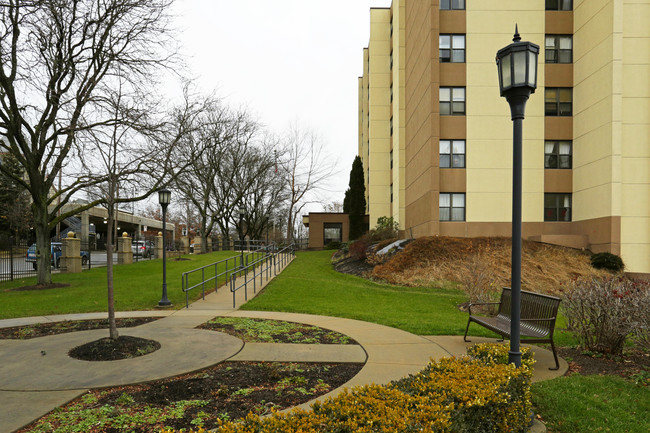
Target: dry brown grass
x=486, y=262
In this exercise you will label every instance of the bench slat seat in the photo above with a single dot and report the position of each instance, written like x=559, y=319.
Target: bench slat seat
x=537, y=318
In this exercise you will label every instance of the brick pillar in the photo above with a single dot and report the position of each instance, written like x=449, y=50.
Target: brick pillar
x=70, y=255
x=209, y=242
x=124, y=251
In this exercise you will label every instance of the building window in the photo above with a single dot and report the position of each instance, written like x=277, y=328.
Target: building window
x=391, y=159
x=452, y=206
x=452, y=48
x=391, y=192
x=559, y=5
x=452, y=153
x=452, y=101
x=391, y=60
x=557, y=207
x=391, y=126
x=558, y=101
x=559, y=49
x=391, y=92
x=332, y=232
x=452, y=4
x=557, y=154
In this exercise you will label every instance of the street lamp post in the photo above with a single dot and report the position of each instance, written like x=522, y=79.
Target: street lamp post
x=164, y=197
x=517, y=67
x=241, y=236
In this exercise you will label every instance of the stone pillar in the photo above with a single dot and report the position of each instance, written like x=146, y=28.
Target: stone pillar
x=209, y=242
x=70, y=255
x=185, y=244
x=159, y=246
x=85, y=227
x=197, y=244
x=124, y=251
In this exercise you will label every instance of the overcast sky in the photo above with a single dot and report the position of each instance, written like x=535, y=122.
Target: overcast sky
x=286, y=61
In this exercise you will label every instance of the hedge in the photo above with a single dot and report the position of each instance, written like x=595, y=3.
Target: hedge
x=478, y=392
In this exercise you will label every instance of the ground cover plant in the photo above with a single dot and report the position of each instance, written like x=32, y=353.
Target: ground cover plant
x=253, y=330
x=137, y=287
x=200, y=399
x=63, y=327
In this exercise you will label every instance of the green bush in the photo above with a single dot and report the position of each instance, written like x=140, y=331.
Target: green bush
x=608, y=261
x=334, y=245
x=477, y=393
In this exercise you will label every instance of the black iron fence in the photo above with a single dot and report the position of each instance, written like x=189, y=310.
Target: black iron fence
x=13, y=263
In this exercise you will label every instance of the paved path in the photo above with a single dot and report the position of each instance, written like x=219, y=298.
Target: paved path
x=37, y=375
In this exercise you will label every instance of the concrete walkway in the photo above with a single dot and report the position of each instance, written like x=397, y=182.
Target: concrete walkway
x=37, y=376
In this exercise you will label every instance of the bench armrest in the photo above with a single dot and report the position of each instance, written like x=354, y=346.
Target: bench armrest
x=551, y=319
x=469, y=307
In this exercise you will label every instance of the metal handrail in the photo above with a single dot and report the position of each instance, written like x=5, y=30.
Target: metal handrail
x=274, y=259
x=233, y=265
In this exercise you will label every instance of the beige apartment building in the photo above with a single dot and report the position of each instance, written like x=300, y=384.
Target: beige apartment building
x=435, y=137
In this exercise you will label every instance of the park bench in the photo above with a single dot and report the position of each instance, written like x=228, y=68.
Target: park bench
x=537, y=318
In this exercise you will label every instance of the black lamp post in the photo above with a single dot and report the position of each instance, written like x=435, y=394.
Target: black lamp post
x=517, y=66
x=241, y=236
x=164, y=197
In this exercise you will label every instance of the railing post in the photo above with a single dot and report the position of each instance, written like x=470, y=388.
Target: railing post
x=232, y=289
x=11, y=259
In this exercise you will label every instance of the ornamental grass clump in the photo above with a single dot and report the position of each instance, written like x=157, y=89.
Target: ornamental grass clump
x=477, y=393
x=603, y=312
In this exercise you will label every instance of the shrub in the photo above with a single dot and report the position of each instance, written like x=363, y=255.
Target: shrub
x=334, y=245
x=604, y=311
x=478, y=279
x=358, y=249
x=481, y=393
x=608, y=261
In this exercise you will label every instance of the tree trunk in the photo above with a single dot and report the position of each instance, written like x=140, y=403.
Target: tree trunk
x=112, y=326
x=43, y=250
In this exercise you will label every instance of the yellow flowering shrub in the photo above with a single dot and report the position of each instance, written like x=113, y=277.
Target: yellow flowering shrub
x=479, y=392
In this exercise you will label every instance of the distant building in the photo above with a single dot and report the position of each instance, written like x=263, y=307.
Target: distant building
x=435, y=137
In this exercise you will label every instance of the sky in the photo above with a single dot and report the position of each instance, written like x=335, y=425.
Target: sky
x=286, y=61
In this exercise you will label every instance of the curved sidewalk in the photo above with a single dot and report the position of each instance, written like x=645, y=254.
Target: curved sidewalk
x=37, y=375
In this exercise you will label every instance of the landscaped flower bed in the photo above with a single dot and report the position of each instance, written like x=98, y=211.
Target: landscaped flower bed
x=480, y=392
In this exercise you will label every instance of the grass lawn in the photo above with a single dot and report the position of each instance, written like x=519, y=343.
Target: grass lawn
x=311, y=285
x=137, y=287
x=576, y=404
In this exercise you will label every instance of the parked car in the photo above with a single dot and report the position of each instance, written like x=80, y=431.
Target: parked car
x=55, y=255
x=142, y=248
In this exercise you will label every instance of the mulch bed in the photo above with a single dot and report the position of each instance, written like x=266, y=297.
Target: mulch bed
x=55, y=328
x=227, y=391
x=633, y=363
x=108, y=349
x=38, y=287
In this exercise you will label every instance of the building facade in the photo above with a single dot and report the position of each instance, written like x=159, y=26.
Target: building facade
x=435, y=137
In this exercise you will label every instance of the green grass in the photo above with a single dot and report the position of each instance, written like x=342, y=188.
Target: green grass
x=310, y=285
x=137, y=287
x=577, y=404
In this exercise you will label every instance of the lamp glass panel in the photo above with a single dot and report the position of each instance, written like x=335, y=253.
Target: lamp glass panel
x=519, y=62
x=506, y=77
x=532, y=65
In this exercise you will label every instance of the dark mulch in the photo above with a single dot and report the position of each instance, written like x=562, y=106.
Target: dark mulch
x=55, y=328
x=632, y=364
x=227, y=391
x=38, y=287
x=352, y=266
x=108, y=349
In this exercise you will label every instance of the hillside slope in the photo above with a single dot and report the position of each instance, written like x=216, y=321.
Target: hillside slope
x=485, y=262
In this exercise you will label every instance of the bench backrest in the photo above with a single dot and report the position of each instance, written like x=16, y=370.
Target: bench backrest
x=533, y=306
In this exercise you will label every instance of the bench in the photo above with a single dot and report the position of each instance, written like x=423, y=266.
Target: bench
x=537, y=318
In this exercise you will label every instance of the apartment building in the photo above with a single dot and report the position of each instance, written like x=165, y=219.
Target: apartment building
x=435, y=137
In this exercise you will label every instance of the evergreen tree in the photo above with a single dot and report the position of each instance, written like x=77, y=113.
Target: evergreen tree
x=15, y=212
x=354, y=203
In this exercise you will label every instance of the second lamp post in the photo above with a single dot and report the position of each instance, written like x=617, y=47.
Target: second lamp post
x=164, y=198
x=517, y=66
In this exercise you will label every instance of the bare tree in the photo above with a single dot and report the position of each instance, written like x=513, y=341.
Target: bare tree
x=134, y=155
x=305, y=169
x=56, y=63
